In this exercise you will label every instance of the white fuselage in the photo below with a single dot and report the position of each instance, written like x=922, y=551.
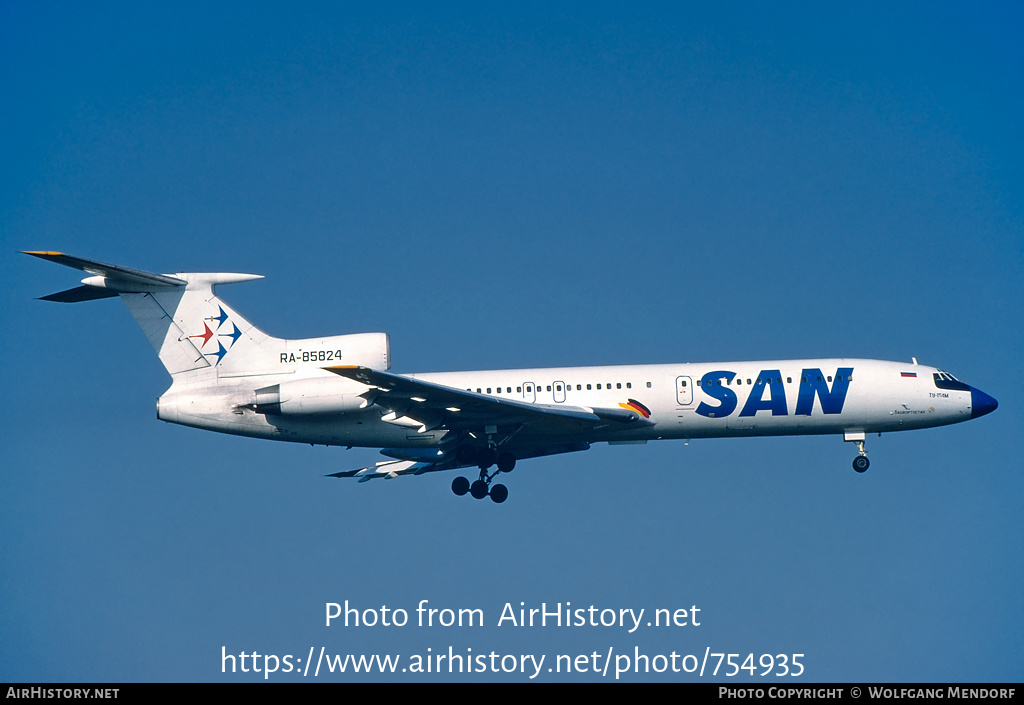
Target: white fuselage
x=689, y=400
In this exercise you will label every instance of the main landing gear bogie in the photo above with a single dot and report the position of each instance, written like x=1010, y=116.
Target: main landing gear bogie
x=480, y=489
x=485, y=458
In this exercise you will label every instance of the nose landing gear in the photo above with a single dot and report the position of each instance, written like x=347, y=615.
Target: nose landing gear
x=861, y=462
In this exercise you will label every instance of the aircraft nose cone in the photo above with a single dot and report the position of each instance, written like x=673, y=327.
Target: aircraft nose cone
x=981, y=403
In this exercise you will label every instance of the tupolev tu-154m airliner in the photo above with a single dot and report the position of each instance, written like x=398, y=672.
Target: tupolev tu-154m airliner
x=229, y=376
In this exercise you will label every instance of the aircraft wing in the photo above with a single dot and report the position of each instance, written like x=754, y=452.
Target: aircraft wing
x=428, y=406
x=526, y=429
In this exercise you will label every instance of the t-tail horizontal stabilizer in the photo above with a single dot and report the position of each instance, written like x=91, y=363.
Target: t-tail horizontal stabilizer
x=107, y=280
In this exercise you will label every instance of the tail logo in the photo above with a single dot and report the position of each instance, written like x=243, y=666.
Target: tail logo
x=208, y=334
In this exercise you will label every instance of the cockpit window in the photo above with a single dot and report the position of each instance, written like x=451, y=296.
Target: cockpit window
x=944, y=380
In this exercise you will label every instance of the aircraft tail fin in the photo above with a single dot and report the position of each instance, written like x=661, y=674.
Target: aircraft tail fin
x=188, y=326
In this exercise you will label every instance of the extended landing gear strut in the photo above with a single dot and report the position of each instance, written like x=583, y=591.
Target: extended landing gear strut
x=861, y=462
x=482, y=487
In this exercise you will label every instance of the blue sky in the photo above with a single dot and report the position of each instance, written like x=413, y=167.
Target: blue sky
x=515, y=186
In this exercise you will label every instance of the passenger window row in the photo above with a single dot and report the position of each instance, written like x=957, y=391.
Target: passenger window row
x=769, y=380
x=560, y=387
x=557, y=387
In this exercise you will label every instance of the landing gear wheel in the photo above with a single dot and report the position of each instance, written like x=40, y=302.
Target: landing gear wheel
x=861, y=463
x=506, y=461
x=466, y=455
x=485, y=458
x=478, y=489
x=499, y=493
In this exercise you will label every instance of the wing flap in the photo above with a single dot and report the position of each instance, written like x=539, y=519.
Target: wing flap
x=388, y=469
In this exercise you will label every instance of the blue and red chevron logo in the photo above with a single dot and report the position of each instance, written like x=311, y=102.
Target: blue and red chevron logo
x=207, y=335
